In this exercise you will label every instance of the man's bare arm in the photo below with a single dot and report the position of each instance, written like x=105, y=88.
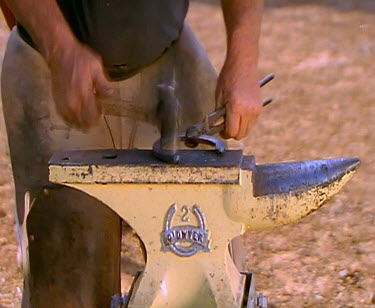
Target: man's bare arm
x=77, y=72
x=44, y=22
x=237, y=86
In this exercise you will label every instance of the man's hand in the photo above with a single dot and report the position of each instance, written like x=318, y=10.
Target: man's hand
x=76, y=71
x=239, y=91
x=77, y=80
x=237, y=86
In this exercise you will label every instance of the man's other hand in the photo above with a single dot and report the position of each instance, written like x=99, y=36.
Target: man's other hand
x=238, y=90
x=77, y=79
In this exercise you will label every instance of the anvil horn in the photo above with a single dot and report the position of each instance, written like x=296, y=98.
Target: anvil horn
x=297, y=177
x=288, y=191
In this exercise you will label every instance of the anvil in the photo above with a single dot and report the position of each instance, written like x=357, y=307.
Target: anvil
x=187, y=214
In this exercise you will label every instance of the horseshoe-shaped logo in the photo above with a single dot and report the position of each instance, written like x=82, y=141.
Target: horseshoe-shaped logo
x=185, y=240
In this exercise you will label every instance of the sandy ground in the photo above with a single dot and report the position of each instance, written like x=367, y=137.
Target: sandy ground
x=323, y=53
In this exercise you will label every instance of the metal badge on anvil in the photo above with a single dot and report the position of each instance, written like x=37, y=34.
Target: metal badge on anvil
x=185, y=240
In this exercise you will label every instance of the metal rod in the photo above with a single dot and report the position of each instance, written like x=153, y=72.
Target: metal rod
x=267, y=102
x=266, y=79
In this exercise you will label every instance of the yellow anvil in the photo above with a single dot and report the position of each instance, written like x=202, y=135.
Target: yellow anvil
x=187, y=214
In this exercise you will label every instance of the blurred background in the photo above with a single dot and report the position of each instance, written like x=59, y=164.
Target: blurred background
x=323, y=55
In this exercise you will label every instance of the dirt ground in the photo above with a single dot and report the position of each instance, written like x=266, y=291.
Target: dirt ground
x=323, y=54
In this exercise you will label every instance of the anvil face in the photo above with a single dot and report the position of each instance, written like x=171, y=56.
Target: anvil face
x=187, y=214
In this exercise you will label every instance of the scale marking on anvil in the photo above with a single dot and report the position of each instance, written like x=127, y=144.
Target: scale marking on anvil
x=174, y=238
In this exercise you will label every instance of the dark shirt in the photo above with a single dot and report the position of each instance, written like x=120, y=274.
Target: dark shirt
x=128, y=34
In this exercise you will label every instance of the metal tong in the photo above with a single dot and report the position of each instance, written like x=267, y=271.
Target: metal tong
x=203, y=132
x=209, y=127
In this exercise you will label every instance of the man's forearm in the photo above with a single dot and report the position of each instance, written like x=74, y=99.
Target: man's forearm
x=45, y=23
x=237, y=87
x=243, y=22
